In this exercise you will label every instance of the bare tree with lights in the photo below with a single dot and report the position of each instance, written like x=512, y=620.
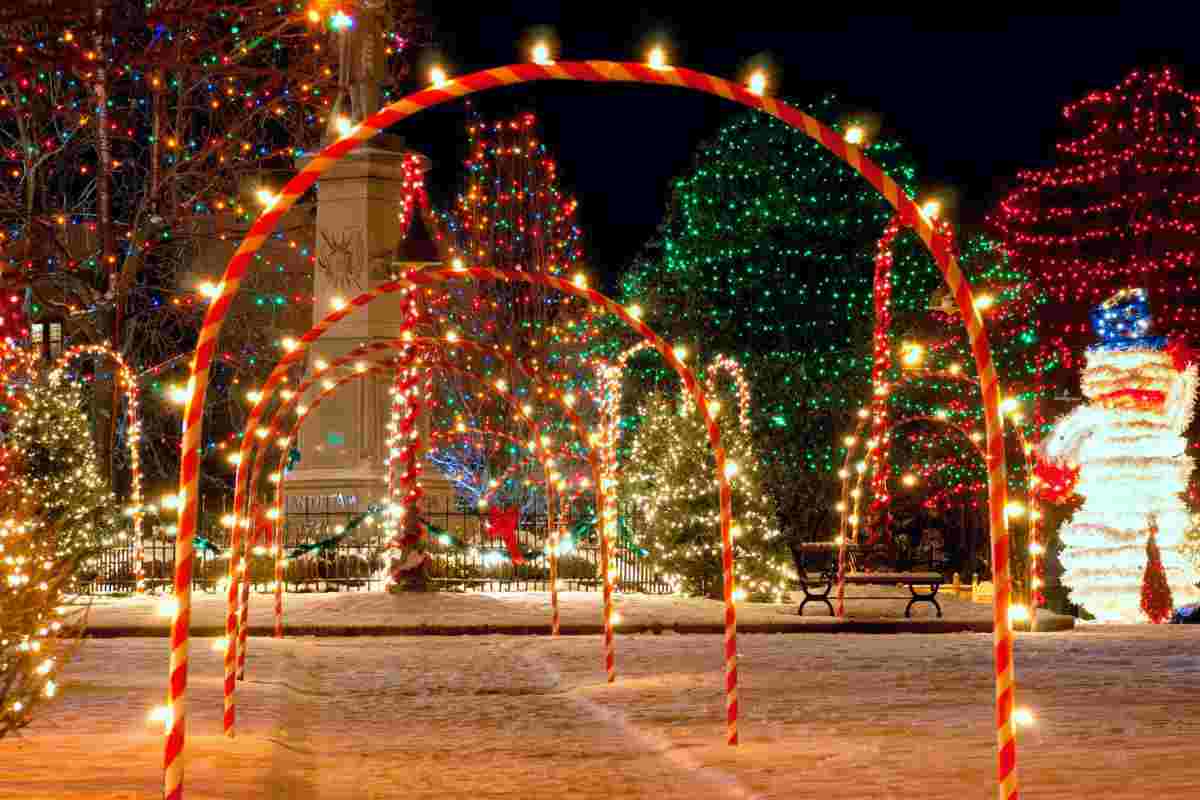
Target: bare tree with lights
x=138, y=141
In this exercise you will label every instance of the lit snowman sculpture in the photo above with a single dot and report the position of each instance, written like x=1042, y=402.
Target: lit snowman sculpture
x=1127, y=448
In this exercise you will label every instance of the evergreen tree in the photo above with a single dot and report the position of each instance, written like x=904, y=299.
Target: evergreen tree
x=54, y=511
x=668, y=483
x=766, y=253
x=1118, y=210
x=1156, y=592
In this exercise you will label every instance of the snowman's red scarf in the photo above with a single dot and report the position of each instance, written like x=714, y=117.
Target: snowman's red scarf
x=1142, y=399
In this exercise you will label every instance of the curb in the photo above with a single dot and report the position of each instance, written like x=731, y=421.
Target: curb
x=1046, y=622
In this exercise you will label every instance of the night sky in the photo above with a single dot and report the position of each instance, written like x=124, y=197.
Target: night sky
x=976, y=97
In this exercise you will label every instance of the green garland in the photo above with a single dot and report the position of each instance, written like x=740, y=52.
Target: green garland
x=444, y=537
x=200, y=543
x=325, y=544
x=585, y=530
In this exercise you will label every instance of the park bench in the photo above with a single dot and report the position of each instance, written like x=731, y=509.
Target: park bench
x=816, y=564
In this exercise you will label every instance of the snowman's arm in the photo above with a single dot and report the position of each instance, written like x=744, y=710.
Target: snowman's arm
x=1181, y=400
x=1066, y=439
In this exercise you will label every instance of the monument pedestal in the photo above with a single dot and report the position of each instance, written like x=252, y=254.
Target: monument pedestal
x=343, y=443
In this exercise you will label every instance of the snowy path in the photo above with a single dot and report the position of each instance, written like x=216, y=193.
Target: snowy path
x=824, y=716
x=515, y=608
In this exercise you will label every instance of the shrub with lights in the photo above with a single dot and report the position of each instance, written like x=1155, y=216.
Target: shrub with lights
x=54, y=511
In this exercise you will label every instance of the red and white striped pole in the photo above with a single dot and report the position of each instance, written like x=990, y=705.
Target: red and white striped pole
x=589, y=71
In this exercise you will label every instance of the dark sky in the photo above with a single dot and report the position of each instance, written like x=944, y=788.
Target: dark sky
x=975, y=96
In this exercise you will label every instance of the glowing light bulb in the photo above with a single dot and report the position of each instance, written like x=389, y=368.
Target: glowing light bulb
x=930, y=209
x=167, y=606
x=635, y=311
x=912, y=354
x=1023, y=717
x=314, y=16
x=731, y=469
x=909, y=480
x=855, y=135
x=179, y=395
x=266, y=198
x=758, y=82
x=541, y=54
x=1018, y=613
x=438, y=77
x=657, y=59
x=161, y=714
x=580, y=280
x=983, y=302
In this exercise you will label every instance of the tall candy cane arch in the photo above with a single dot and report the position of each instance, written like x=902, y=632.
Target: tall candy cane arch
x=279, y=421
x=596, y=72
x=376, y=368
x=247, y=480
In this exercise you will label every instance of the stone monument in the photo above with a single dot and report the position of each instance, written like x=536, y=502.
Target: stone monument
x=359, y=244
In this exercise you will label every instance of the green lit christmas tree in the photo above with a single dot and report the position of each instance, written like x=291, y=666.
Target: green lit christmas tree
x=767, y=254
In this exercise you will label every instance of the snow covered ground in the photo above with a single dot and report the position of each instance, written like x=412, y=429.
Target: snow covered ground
x=824, y=716
x=516, y=608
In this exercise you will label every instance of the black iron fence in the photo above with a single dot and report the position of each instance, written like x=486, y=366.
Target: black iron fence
x=462, y=554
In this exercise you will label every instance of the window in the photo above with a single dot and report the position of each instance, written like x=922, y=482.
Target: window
x=46, y=339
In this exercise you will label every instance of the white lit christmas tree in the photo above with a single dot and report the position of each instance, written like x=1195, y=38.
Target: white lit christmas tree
x=1124, y=453
x=55, y=510
x=668, y=483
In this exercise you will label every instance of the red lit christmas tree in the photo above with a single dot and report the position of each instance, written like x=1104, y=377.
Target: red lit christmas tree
x=1156, y=593
x=1120, y=208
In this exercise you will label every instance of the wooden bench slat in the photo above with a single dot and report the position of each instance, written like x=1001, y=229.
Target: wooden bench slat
x=895, y=577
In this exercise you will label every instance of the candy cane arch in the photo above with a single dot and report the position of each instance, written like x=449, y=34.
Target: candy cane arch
x=606, y=72
x=133, y=438
x=378, y=368
x=730, y=366
x=404, y=343
x=278, y=375
x=880, y=371
x=850, y=517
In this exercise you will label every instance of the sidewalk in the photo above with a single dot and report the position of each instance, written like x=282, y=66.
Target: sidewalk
x=452, y=614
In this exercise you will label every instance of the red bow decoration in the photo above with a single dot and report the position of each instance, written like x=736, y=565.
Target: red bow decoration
x=1056, y=483
x=502, y=524
x=1182, y=354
